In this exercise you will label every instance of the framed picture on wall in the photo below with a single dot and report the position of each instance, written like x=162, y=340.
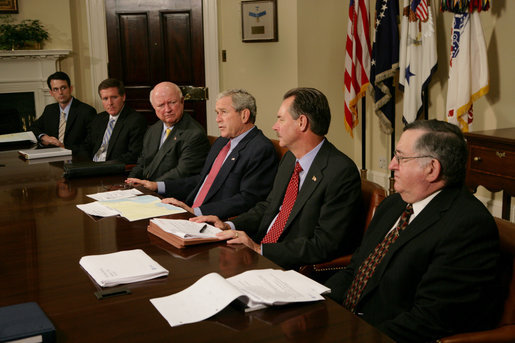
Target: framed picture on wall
x=259, y=21
x=8, y=6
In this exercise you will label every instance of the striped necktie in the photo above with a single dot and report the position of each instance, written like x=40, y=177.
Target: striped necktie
x=289, y=200
x=62, y=126
x=105, y=140
x=368, y=267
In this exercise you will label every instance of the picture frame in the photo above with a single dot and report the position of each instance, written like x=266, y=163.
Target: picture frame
x=259, y=21
x=8, y=6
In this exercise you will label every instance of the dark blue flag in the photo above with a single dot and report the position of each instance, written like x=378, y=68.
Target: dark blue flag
x=385, y=61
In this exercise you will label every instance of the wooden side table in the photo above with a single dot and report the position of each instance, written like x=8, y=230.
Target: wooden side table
x=491, y=163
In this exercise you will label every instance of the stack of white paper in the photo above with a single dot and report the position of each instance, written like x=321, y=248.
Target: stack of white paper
x=255, y=288
x=186, y=229
x=117, y=194
x=122, y=267
x=42, y=153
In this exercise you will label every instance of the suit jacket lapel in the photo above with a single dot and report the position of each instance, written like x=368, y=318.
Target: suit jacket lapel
x=72, y=115
x=168, y=145
x=118, y=127
x=229, y=163
x=312, y=180
x=424, y=221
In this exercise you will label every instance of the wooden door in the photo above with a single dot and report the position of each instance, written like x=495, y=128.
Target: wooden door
x=152, y=41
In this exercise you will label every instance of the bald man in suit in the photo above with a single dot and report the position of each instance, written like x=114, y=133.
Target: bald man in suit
x=175, y=146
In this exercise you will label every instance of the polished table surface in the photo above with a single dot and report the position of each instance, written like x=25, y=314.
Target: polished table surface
x=43, y=235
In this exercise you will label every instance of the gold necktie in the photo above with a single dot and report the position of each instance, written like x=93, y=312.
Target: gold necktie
x=62, y=127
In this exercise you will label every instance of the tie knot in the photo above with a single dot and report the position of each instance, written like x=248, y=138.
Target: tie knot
x=298, y=168
x=409, y=209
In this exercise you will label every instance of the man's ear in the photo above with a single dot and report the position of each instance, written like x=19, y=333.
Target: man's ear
x=433, y=170
x=245, y=115
x=303, y=122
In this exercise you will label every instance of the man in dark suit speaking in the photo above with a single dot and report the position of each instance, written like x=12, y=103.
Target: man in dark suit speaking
x=427, y=263
x=174, y=147
x=117, y=133
x=311, y=214
x=239, y=169
x=65, y=123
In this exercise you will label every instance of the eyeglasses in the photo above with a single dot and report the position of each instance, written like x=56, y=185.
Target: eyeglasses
x=404, y=158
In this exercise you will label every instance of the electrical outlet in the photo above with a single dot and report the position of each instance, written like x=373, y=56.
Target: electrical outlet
x=382, y=163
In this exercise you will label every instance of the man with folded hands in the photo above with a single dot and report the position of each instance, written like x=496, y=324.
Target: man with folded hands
x=312, y=213
x=238, y=171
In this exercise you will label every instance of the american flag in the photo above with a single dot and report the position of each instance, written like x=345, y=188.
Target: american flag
x=357, y=60
x=420, y=8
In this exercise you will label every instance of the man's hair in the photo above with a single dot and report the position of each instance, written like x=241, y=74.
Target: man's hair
x=313, y=104
x=58, y=75
x=241, y=99
x=109, y=83
x=173, y=85
x=446, y=143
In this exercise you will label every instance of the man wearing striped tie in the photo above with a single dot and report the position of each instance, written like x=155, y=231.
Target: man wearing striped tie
x=427, y=264
x=64, y=123
x=117, y=133
x=312, y=211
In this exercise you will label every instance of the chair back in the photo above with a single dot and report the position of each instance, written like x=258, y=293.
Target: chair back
x=505, y=330
x=507, y=244
x=372, y=195
x=279, y=149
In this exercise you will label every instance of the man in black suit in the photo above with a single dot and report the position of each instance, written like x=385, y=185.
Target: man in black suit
x=320, y=222
x=65, y=123
x=117, y=133
x=174, y=147
x=247, y=164
x=435, y=277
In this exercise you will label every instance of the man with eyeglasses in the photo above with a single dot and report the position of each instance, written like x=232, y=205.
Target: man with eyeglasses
x=66, y=122
x=426, y=267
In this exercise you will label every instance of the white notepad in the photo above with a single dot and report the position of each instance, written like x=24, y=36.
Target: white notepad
x=122, y=267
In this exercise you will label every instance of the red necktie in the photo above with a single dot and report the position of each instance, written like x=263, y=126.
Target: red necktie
x=215, y=168
x=367, y=268
x=289, y=199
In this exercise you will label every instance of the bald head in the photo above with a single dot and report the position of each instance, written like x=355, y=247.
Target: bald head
x=168, y=102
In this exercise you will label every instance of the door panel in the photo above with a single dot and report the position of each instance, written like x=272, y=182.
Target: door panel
x=153, y=41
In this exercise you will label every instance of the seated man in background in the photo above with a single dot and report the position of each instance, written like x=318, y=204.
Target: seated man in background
x=65, y=123
x=117, y=133
x=312, y=213
x=174, y=147
x=239, y=169
x=427, y=263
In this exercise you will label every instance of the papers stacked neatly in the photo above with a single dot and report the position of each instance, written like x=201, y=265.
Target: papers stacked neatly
x=256, y=289
x=113, y=195
x=132, y=208
x=42, y=153
x=121, y=267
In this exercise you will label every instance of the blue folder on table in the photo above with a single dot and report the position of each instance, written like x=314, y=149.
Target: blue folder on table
x=26, y=320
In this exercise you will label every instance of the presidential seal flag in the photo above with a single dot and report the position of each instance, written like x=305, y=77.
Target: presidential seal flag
x=417, y=55
x=357, y=60
x=385, y=62
x=468, y=72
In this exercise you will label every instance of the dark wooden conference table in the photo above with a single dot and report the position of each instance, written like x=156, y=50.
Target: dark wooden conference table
x=43, y=235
